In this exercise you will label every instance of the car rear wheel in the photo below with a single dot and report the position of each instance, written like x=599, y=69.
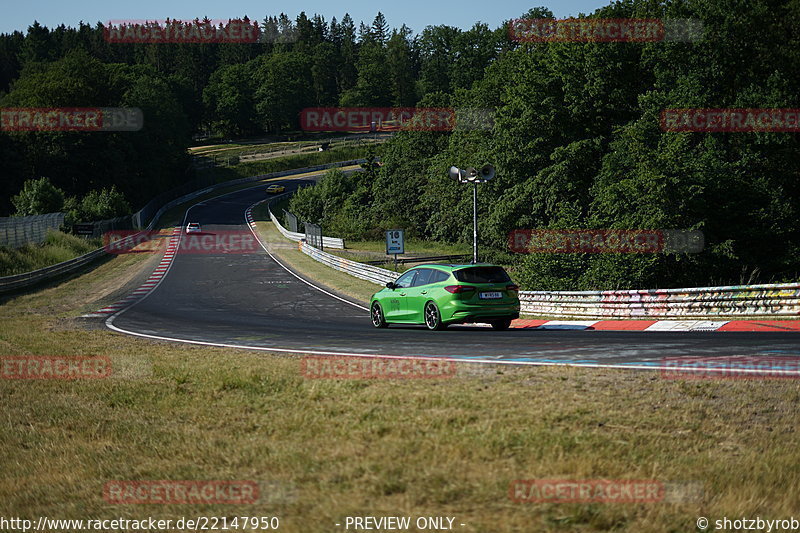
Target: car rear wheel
x=500, y=325
x=433, y=319
x=377, y=316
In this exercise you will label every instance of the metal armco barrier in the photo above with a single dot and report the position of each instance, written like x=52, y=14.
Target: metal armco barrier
x=10, y=283
x=18, y=281
x=327, y=242
x=773, y=300
x=377, y=275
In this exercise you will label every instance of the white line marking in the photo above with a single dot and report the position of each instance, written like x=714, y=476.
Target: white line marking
x=384, y=356
x=169, y=256
x=292, y=273
x=455, y=359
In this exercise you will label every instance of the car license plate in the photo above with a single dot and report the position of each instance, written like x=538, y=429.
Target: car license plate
x=491, y=295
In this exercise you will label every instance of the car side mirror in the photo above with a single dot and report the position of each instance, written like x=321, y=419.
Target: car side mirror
x=391, y=285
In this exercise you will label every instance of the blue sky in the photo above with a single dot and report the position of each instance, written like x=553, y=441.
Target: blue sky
x=18, y=15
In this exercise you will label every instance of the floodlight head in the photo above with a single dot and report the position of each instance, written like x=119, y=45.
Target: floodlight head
x=471, y=175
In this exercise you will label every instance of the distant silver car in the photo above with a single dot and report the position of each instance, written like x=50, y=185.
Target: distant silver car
x=193, y=227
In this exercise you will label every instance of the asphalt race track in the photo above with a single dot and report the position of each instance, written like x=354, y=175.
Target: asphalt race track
x=251, y=301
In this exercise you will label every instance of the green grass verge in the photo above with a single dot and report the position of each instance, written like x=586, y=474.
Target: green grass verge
x=310, y=159
x=330, y=449
x=336, y=448
x=286, y=251
x=238, y=149
x=366, y=251
x=57, y=248
x=413, y=246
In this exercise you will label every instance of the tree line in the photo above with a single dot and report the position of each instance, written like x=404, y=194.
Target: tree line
x=221, y=90
x=576, y=136
x=578, y=144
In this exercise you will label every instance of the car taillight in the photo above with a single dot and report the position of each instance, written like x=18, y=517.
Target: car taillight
x=457, y=289
x=514, y=288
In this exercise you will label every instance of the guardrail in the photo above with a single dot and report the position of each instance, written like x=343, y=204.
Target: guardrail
x=769, y=300
x=327, y=242
x=377, y=275
x=19, y=281
x=11, y=283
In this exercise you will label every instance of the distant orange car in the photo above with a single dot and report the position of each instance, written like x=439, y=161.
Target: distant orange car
x=275, y=189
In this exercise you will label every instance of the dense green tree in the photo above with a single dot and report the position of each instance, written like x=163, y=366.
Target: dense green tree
x=80, y=161
x=97, y=205
x=38, y=45
x=284, y=86
x=229, y=99
x=345, y=40
x=374, y=85
x=380, y=29
x=400, y=63
x=473, y=51
x=10, y=46
x=38, y=197
x=435, y=46
x=324, y=72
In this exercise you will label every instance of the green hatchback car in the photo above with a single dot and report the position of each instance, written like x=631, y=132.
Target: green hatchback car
x=439, y=295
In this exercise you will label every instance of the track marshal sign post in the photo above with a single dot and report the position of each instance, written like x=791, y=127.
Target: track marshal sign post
x=395, y=244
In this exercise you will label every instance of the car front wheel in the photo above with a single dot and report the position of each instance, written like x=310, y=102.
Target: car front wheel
x=377, y=316
x=433, y=319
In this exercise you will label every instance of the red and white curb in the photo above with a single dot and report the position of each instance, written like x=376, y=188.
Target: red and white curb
x=248, y=214
x=662, y=325
x=151, y=282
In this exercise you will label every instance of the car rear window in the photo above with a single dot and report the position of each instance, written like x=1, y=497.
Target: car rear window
x=439, y=276
x=482, y=274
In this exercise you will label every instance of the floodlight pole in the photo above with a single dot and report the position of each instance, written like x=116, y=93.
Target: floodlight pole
x=474, y=222
x=475, y=177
